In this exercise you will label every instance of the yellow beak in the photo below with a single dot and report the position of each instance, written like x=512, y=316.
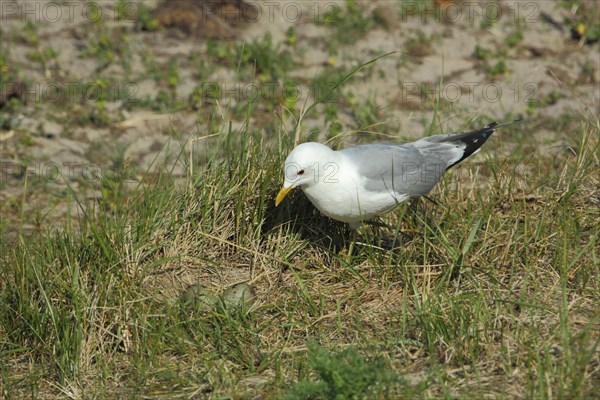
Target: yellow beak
x=280, y=196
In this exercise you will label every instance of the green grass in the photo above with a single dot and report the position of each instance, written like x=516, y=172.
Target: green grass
x=493, y=291
x=490, y=292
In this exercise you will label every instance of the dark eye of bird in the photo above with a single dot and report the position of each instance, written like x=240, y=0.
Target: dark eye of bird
x=301, y=172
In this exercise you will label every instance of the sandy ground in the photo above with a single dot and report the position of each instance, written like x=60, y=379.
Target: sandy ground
x=51, y=142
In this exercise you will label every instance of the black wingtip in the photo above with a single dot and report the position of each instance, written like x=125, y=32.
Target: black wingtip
x=472, y=140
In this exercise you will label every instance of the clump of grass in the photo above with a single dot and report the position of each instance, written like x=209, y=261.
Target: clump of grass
x=145, y=21
x=582, y=20
x=345, y=375
x=349, y=22
x=263, y=58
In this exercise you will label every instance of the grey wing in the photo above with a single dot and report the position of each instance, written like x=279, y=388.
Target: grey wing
x=409, y=169
x=414, y=168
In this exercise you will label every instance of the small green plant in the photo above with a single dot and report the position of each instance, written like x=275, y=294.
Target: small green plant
x=344, y=375
x=29, y=33
x=349, y=23
x=499, y=68
x=551, y=98
x=514, y=38
x=94, y=13
x=102, y=48
x=290, y=95
x=290, y=36
x=493, y=61
x=481, y=53
x=42, y=56
x=490, y=18
x=221, y=52
x=547, y=100
x=172, y=76
x=145, y=21
x=125, y=10
x=263, y=57
x=583, y=20
x=109, y=45
x=99, y=116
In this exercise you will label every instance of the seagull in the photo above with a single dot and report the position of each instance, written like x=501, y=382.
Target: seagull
x=357, y=183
